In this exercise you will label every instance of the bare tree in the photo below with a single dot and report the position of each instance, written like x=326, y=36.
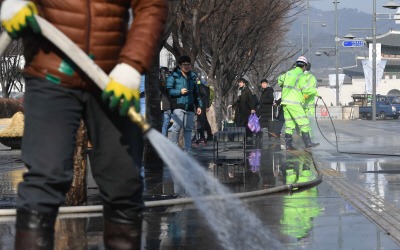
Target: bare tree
x=189, y=20
x=11, y=65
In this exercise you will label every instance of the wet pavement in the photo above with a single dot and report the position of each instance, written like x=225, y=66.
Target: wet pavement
x=356, y=206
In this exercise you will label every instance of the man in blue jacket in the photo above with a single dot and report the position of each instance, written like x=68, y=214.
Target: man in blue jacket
x=185, y=100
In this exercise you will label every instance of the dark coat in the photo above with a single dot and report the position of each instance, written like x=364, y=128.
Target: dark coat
x=265, y=106
x=165, y=98
x=243, y=106
x=204, y=95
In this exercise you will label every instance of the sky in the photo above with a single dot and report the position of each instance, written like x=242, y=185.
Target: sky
x=362, y=5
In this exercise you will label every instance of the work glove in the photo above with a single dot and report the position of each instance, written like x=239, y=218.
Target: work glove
x=17, y=16
x=123, y=88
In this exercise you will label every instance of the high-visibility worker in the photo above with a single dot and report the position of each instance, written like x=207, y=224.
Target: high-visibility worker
x=294, y=92
x=309, y=102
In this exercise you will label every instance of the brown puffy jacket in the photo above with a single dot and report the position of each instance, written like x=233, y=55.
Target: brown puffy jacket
x=100, y=28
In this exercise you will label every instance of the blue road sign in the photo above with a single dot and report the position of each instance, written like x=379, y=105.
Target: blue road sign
x=354, y=43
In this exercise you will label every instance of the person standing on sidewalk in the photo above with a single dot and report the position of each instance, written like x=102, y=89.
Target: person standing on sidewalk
x=243, y=106
x=58, y=95
x=185, y=99
x=165, y=101
x=294, y=91
x=264, y=110
x=277, y=125
x=202, y=121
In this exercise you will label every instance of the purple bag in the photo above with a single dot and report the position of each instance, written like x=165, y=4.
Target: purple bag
x=254, y=160
x=254, y=123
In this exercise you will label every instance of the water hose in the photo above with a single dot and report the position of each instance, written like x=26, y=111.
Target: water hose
x=184, y=201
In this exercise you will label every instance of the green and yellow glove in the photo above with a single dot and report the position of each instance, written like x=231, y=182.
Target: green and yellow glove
x=17, y=16
x=123, y=89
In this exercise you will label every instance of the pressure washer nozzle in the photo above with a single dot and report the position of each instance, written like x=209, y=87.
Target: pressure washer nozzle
x=139, y=120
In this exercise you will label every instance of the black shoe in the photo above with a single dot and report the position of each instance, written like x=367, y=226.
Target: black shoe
x=194, y=140
x=202, y=141
x=210, y=138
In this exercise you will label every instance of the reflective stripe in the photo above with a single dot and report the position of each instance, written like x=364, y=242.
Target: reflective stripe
x=293, y=87
x=309, y=106
x=292, y=102
x=300, y=117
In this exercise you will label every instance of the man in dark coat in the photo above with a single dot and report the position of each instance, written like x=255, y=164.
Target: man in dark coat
x=266, y=101
x=202, y=123
x=166, y=114
x=243, y=106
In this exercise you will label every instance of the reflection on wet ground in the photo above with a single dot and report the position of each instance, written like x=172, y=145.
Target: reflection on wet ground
x=316, y=217
x=11, y=170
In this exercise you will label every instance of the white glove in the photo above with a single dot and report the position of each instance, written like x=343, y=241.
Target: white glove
x=123, y=88
x=17, y=15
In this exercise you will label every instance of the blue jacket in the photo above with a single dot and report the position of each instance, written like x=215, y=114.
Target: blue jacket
x=191, y=100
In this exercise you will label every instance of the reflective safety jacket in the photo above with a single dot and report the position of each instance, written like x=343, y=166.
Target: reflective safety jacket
x=309, y=90
x=291, y=92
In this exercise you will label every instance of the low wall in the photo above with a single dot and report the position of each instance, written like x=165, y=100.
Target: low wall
x=337, y=112
x=350, y=112
x=323, y=113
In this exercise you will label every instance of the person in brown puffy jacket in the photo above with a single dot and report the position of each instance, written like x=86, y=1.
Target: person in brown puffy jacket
x=58, y=95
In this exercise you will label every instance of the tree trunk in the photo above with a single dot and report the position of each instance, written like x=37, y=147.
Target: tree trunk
x=77, y=194
x=153, y=108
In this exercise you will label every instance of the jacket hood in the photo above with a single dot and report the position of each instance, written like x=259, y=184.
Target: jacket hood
x=178, y=73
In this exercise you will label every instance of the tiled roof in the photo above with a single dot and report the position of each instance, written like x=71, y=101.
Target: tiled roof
x=391, y=38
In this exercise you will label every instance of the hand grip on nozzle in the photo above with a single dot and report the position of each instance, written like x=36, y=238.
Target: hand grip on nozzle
x=139, y=120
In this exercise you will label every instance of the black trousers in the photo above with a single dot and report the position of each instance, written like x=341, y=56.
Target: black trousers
x=203, y=125
x=52, y=117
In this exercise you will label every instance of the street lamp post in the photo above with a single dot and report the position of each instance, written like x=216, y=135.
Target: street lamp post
x=336, y=53
x=374, y=62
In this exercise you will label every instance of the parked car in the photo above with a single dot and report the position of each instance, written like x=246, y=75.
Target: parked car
x=384, y=107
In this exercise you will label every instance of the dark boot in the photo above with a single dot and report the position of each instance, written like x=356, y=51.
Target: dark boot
x=307, y=140
x=289, y=142
x=35, y=231
x=122, y=232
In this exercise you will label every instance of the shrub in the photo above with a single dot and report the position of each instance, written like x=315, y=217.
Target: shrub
x=9, y=106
